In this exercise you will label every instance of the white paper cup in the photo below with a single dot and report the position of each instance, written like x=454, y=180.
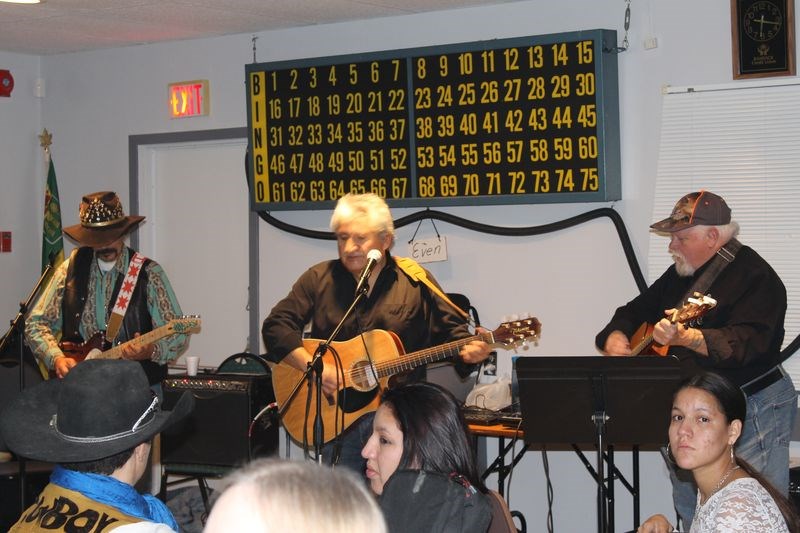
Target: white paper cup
x=192, y=363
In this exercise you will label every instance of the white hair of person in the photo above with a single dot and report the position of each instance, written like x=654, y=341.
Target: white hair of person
x=274, y=496
x=369, y=206
x=728, y=231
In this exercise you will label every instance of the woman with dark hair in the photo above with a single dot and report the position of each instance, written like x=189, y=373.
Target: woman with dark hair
x=708, y=412
x=419, y=436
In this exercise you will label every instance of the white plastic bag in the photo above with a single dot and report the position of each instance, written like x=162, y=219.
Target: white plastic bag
x=492, y=396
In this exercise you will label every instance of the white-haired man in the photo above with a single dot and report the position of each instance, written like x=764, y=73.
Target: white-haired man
x=740, y=338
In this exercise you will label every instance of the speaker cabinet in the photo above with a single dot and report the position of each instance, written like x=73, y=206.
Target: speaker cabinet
x=216, y=432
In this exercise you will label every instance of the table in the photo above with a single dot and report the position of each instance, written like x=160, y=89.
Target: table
x=503, y=469
x=499, y=466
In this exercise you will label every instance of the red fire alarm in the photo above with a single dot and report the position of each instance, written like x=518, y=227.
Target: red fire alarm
x=6, y=83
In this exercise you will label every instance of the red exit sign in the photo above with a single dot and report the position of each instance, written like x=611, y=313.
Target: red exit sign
x=188, y=98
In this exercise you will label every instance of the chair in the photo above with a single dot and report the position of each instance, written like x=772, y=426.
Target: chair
x=463, y=302
x=444, y=374
x=502, y=517
x=243, y=363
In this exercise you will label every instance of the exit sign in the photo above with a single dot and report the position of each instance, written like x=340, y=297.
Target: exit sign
x=188, y=98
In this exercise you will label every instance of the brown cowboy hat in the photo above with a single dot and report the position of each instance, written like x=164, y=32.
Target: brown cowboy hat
x=102, y=220
x=102, y=407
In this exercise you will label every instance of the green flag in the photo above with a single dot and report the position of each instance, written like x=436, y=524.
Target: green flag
x=52, y=241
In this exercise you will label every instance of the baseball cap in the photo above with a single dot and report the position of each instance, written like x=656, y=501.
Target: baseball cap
x=701, y=208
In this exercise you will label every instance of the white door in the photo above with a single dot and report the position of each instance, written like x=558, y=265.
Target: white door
x=194, y=196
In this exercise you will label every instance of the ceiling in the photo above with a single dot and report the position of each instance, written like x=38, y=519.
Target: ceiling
x=58, y=26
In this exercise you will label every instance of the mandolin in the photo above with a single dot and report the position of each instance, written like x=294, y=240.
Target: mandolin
x=690, y=314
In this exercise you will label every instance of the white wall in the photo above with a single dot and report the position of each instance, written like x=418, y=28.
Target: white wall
x=571, y=280
x=21, y=168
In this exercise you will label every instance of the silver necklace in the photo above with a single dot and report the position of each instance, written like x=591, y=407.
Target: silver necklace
x=724, y=478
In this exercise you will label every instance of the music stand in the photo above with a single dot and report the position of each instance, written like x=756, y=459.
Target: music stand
x=597, y=400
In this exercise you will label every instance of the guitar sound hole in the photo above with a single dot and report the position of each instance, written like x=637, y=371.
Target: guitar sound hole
x=362, y=376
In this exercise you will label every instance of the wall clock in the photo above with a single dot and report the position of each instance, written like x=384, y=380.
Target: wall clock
x=763, y=41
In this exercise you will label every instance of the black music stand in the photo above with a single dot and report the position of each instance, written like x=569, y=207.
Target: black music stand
x=601, y=401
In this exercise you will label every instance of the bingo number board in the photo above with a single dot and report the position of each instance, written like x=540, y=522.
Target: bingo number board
x=508, y=121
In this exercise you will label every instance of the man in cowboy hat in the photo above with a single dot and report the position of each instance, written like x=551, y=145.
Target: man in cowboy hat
x=104, y=293
x=97, y=424
x=740, y=338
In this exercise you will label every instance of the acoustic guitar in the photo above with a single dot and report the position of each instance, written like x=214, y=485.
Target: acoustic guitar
x=98, y=347
x=689, y=315
x=362, y=382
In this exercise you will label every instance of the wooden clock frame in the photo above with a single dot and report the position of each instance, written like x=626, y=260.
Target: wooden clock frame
x=773, y=56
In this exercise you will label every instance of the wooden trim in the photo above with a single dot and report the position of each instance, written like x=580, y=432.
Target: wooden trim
x=790, y=69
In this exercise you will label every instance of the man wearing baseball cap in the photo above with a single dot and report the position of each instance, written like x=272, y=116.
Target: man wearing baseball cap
x=97, y=424
x=740, y=338
x=103, y=294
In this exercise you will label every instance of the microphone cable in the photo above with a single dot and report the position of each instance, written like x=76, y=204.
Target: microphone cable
x=272, y=406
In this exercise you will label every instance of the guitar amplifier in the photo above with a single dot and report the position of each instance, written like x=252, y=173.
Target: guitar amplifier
x=216, y=432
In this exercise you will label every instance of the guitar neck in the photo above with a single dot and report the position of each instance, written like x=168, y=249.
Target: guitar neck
x=429, y=355
x=146, y=338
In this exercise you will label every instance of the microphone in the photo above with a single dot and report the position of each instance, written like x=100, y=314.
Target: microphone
x=373, y=256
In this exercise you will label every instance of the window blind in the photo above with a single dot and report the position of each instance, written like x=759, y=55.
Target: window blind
x=742, y=142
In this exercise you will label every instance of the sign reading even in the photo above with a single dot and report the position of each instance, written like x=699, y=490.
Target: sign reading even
x=523, y=120
x=188, y=98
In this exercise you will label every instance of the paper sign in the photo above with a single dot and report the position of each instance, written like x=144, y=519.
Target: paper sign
x=428, y=250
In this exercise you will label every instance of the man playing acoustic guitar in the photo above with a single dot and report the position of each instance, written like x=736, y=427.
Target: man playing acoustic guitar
x=395, y=302
x=739, y=338
x=104, y=286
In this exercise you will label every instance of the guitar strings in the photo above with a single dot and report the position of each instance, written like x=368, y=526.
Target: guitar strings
x=387, y=368
x=390, y=367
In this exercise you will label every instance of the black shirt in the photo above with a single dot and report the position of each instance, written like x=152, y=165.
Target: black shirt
x=743, y=332
x=396, y=303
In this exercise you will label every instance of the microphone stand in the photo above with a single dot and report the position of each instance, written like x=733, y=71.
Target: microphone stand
x=17, y=327
x=316, y=366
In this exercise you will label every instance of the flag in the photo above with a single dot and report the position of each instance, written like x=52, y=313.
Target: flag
x=52, y=240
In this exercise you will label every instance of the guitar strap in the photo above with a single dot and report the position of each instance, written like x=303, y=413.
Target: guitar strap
x=724, y=257
x=124, y=296
x=416, y=272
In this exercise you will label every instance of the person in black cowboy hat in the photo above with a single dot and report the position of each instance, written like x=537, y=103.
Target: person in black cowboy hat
x=104, y=293
x=97, y=424
x=740, y=338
